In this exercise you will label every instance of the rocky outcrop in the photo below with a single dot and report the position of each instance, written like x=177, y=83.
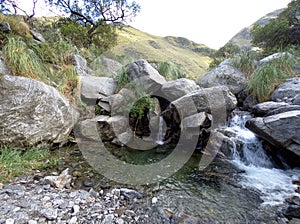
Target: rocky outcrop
x=282, y=131
x=147, y=77
x=33, y=113
x=178, y=88
x=81, y=66
x=288, y=91
x=94, y=88
x=225, y=75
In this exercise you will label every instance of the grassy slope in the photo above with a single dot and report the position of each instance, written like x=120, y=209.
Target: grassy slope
x=137, y=44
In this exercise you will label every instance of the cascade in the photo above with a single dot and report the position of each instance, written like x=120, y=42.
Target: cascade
x=274, y=184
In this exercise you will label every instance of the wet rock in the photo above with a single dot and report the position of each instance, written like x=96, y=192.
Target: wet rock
x=293, y=211
x=281, y=131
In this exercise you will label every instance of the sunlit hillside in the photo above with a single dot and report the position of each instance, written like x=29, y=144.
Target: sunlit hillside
x=191, y=57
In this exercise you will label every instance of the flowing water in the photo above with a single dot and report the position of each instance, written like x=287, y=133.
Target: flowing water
x=274, y=184
x=246, y=189
x=159, y=139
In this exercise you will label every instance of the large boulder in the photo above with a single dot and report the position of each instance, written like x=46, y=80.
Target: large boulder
x=94, y=88
x=147, y=77
x=80, y=64
x=225, y=75
x=264, y=108
x=33, y=113
x=281, y=131
x=178, y=88
x=288, y=91
x=206, y=99
x=106, y=67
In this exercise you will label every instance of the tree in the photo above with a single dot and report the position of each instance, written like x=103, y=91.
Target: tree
x=280, y=32
x=13, y=6
x=95, y=14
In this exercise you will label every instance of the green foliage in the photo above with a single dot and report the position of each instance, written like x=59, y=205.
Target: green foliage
x=227, y=51
x=15, y=162
x=22, y=60
x=142, y=106
x=266, y=77
x=122, y=78
x=170, y=71
x=281, y=32
x=246, y=62
x=102, y=38
x=17, y=24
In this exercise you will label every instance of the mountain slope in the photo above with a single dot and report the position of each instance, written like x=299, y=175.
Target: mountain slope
x=243, y=38
x=191, y=57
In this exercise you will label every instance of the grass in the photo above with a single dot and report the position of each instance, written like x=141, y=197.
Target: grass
x=170, y=71
x=265, y=78
x=21, y=60
x=14, y=162
x=246, y=62
x=137, y=44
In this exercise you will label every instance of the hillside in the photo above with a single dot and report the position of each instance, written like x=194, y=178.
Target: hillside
x=193, y=58
x=243, y=38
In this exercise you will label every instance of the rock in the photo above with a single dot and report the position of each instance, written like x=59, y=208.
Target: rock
x=281, y=131
x=287, y=91
x=178, y=88
x=274, y=57
x=61, y=181
x=262, y=109
x=108, y=66
x=80, y=65
x=3, y=68
x=293, y=211
x=93, y=88
x=147, y=78
x=73, y=220
x=204, y=99
x=76, y=209
x=37, y=36
x=33, y=113
x=5, y=27
x=283, y=109
x=225, y=75
x=10, y=221
x=32, y=222
x=130, y=194
x=154, y=200
x=49, y=213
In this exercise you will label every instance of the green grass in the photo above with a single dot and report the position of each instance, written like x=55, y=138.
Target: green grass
x=170, y=71
x=21, y=60
x=14, y=162
x=246, y=62
x=265, y=78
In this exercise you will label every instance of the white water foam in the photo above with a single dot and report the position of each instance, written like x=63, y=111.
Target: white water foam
x=275, y=185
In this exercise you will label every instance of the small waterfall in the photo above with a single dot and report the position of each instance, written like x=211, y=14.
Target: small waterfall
x=275, y=185
x=159, y=138
x=252, y=152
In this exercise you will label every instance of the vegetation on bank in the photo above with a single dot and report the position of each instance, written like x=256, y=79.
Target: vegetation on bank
x=281, y=34
x=15, y=162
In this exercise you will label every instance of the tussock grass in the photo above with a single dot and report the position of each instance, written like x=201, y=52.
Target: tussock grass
x=17, y=24
x=170, y=71
x=23, y=61
x=246, y=62
x=14, y=162
x=268, y=76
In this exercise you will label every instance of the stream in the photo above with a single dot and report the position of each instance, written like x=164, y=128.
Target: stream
x=244, y=189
